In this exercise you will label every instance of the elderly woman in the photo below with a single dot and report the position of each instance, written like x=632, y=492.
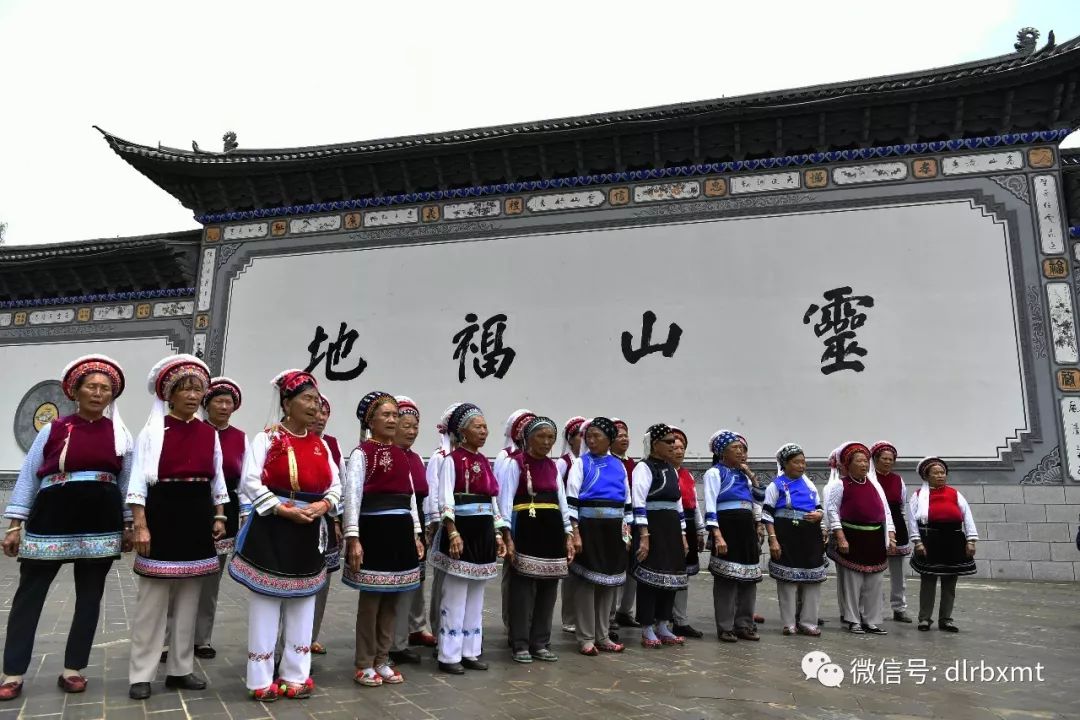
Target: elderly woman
x=570, y=450
x=598, y=493
x=469, y=540
x=538, y=540
x=862, y=535
x=334, y=537
x=695, y=536
x=177, y=494
x=433, y=520
x=382, y=536
x=943, y=533
x=883, y=455
x=660, y=545
x=292, y=483
x=622, y=607
x=792, y=516
x=411, y=621
x=67, y=507
x=730, y=516
x=511, y=447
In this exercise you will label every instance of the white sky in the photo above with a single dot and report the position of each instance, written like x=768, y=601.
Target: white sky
x=289, y=74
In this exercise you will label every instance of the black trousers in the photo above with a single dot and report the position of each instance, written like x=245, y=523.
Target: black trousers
x=34, y=581
x=532, y=603
x=654, y=605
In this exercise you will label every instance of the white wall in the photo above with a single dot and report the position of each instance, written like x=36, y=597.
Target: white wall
x=942, y=374
x=26, y=365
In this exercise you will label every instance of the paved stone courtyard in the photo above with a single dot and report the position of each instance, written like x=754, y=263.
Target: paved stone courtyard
x=1003, y=624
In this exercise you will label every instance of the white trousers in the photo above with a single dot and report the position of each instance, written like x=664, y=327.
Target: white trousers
x=862, y=596
x=898, y=591
x=461, y=630
x=264, y=613
x=163, y=604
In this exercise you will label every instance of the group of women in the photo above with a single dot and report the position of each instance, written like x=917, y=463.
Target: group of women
x=193, y=497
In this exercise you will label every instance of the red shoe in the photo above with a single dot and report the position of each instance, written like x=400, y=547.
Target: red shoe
x=266, y=694
x=611, y=647
x=425, y=639
x=590, y=651
x=650, y=644
x=10, y=691
x=672, y=640
x=73, y=684
x=759, y=619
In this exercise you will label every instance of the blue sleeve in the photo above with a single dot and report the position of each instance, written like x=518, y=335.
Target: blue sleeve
x=27, y=486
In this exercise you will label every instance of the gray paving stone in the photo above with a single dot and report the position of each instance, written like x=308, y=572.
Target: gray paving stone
x=1010, y=569
x=972, y=493
x=1064, y=551
x=1063, y=513
x=988, y=512
x=1044, y=494
x=1052, y=571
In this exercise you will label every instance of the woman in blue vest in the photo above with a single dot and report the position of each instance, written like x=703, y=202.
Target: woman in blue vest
x=731, y=517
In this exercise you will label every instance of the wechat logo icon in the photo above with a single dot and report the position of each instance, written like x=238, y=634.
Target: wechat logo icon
x=817, y=665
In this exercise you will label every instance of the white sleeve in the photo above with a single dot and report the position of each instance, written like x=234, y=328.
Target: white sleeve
x=509, y=477
x=772, y=495
x=639, y=491
x=912, y=522
x=27, y=485
x=245, y=502
x=628, y=502
x=564, y=507
x=137, y=486
x=433, y=503
x=560, y=469
x=124, y=480
x=262, y=500
x=353, y=492
x=333, y=493
x=446, y=488
x=573, y=486
x=218, y=490
x=834, y=495
x=970, y=531
x=712, y=489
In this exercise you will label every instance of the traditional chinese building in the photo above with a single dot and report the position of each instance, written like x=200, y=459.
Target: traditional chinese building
x=885, y=258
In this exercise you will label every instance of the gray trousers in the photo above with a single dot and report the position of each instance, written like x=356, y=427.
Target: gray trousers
x=208, y=597
x=568, y=591
x=592, y=608
x=862, y=595
x=627, y=597
x=156, y=598
x=679, y=610
x=840, y=579
x=798, y=600
x=733, y=604
x=927, y=591
x=897, y=589
x=410, y=617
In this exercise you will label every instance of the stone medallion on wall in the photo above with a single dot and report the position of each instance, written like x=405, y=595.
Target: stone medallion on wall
x=41, y=404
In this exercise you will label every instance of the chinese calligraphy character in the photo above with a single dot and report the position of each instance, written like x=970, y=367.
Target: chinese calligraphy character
x=840, y=318
x=496, y=359
x=335, y=352
x=862, y=671
x=666, y=348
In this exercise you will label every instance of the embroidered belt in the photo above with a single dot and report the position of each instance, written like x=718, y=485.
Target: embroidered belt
x=536, y=506
x=791, y=513
x=473, y=509
x=854, y=526
x=78, y=476
x=601, y=512
x=662, y=505
x=734, y=505
x=180, y=480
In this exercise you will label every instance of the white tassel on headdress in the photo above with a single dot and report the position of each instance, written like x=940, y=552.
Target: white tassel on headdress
x=445, y=441
x=155, y=424
x=508, y=440
x=565, y=447
x=274, y=414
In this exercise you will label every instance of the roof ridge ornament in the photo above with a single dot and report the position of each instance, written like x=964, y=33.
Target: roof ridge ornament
x=1026, y=39
x=229, y=139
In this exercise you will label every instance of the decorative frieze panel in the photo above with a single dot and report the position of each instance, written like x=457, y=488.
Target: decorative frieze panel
x=982, y=163
x=472, y=210
x=382, y=218
x=174, y=309
x=113, y=312
x=767, y=182
x=206, y=279
x=667, y=191
x=321, y=223
x=1048, y=214
x=878, y=172
x=247, y=232
x=52, y=317
x=566, y=201
x=1062, y=323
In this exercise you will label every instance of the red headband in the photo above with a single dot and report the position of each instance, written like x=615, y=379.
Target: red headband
x=176, y=371
x=93, y=364
x=849, y=450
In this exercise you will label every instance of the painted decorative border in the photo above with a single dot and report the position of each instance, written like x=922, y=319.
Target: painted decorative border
x=181, y=309
x=107, y=297
x=937, y=146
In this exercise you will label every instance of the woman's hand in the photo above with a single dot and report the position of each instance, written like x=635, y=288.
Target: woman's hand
x=774, y=548
x=920, y=549
x=701, y=542
x=456, y=545
x=11, y=541
x=354, y=554
x=141, y=538
x=812, y=517
x=760, y=533
x=338, y=535
x=643, y=548
x=892, y=543
x=578, y=548
x=719, y=546
x=317, y=509
x=570, y=548
x=970, y=550
x=295, y=514
x=842, y=546
x=419, y=548
x=685, y=546
x=501, y=548
x=126, y=542
x=509, y=542
x=219, y=529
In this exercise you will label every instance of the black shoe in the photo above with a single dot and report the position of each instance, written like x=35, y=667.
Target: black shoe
x=191, y=681
x=452, y=668
x=624, y=620
x=875, y=630
x=473, y=664
x=947, y=626
x=205, y=652
x=139, y=691
x=727, y=636
x=405, y=656
x=901, y=616
x=687, y=631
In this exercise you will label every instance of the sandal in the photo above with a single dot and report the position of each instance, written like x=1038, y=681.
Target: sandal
x=647, y=643
x=790, y=630
x=390, y=675
x=611, y=647
x=672, y=640
x=295, y=691
x=267, y=694
x=545, y=655
x=808, y=630
x=317, y=648
x=589, y=651
x=362, y=677
x=523, y=657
